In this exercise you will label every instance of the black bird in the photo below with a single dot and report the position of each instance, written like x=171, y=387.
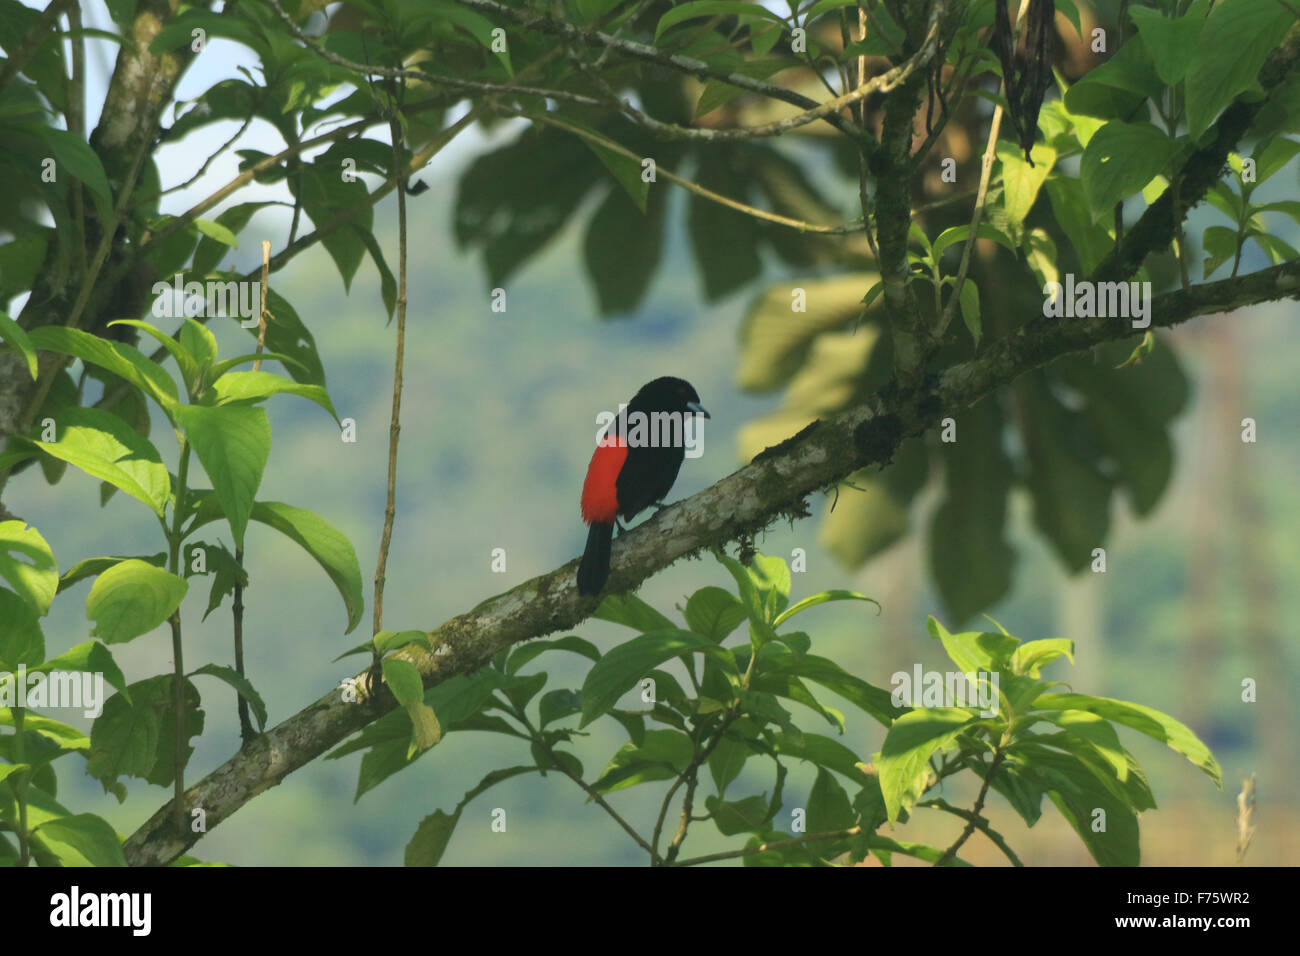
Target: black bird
x=633, y=467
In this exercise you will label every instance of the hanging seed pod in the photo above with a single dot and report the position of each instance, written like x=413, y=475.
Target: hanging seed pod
x=1026, y=67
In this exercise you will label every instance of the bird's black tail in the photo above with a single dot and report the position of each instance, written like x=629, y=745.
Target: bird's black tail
x=594, y=569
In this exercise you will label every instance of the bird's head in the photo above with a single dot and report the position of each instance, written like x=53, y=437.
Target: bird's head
x=668, y=394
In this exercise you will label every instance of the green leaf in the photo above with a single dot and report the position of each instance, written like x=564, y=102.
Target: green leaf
x=218, y=232
x=89, y=835
x=1170, y=41
x=630, y=611
x=403, y=680
x=1071, y=495
x=256, y=386
x=1140, y=351
x=622, y=248
x=822, y=597
x=107, y=448
x=1021, y=181
x=828, y=806
x=431, y=838
x=426, y=730
x=590, y=10
x=1116, y=89
x=21, y=640
x=1070, y=208
x=36, y=578
x=556, y=705
x=1272, y=156
x=961, y=233
x=13, y=333
x=91, y=656
x=975, y=651
x=727, y=760
x=875, y=701
x=625, y=170
x=969, y=556
x=709, y=8
x=232, y=442
x=1228, y=56
x=1121, y=159
x=184, y=360
x=133, y=736
x=1031, y=657
x=1220, y=244
x=231, y=221
x=117, y=357
x=821, y=751
x=225, y=571
x=132, y=598
x=73, y=154
x=724, y=242
x=386, y=641
x=714, y=612
x=527, y=652
x=969, y=301
x=741, y=816
x=475, y=24
x=1097, y=734
x=764, y=589
x=1079, y=794
x=1153, y=723
x=663, y=754
x=329, y=546
x=623, y=666
x=198, y=340
x=903, y=765
x=242, y=686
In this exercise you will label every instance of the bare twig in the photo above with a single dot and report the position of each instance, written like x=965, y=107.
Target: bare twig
x=973, y=820
x=395, y=422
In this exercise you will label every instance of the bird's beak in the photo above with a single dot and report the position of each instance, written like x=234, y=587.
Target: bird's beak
x=698, y=409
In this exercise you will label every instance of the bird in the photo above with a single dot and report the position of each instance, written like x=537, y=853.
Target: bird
x=634, y=466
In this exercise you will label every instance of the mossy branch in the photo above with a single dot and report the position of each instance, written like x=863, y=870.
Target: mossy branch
x=774, y=486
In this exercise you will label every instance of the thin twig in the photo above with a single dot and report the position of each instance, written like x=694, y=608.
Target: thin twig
x=974, y=818
x=938, y=803
x=395, y=422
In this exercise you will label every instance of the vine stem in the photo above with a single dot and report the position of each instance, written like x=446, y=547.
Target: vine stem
x=178, y=675
x=395, y=422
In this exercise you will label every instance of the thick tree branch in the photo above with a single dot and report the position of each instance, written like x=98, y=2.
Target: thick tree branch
x=774, y=485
